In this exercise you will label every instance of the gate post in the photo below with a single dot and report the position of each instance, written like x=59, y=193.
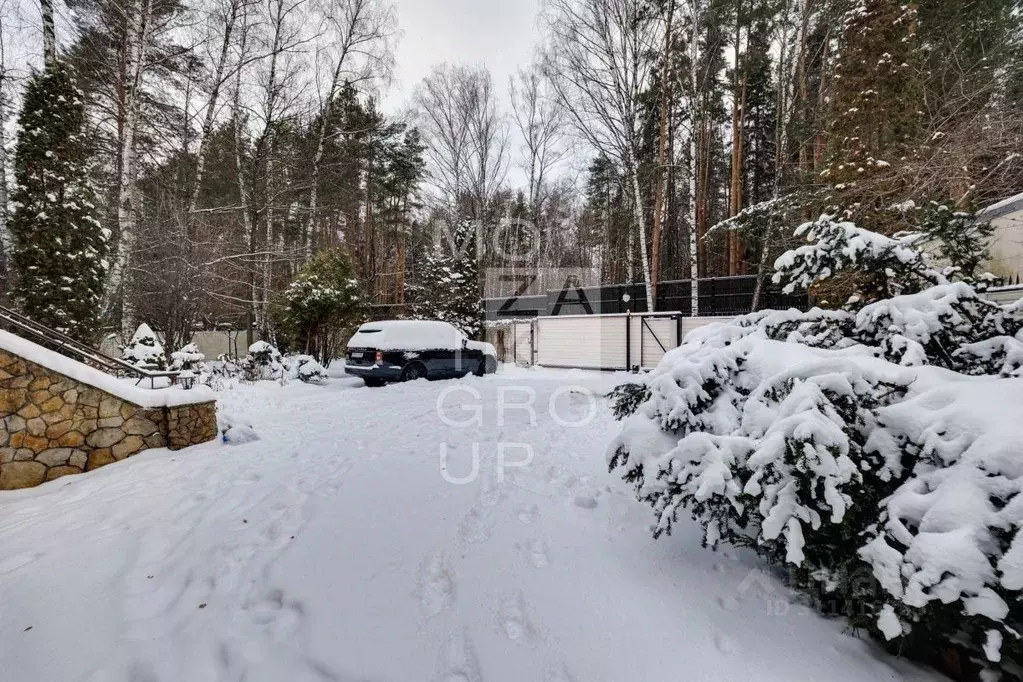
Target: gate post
x=628, y=341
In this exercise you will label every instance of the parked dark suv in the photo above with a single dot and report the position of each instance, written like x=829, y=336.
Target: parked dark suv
x=405, y=350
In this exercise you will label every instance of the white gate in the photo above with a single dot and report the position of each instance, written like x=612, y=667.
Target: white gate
x=617, y=342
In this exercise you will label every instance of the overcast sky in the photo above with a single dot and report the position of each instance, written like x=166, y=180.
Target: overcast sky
x=497, y=33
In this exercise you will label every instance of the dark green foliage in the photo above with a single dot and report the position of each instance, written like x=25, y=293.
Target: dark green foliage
x=450, y=282
x=59, y=247
x=626, y=398
x=959, y=239
x=319, y=305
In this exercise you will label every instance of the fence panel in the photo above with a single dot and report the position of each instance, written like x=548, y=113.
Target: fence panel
x=583, y=341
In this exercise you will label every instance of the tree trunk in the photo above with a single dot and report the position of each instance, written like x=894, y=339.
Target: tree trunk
x=321, y=142
x=637, y=212
x=49, y=34
x=245, y=195
x=122, y=275
x=739, y=85
x=694, y=242
x=5, y=235
x=655, y=234
x=765, y=249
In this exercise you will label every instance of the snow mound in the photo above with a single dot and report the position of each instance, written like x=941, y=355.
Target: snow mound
x=235, y=430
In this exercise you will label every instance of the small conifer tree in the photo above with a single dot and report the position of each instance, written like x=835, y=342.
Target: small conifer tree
x=59, y=248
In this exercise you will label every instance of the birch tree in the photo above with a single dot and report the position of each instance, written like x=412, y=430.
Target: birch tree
x=224, y=22
x=465, y=136
x=358, y=37
x=136, y=46
x=540, y=122
x=599, y=57
x=49, y=32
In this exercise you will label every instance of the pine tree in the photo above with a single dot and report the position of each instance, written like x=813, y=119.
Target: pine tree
x=59, y=247
x=876, y=108
x=450, y=288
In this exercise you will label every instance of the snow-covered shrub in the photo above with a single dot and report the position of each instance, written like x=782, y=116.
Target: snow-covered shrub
x=947, y=550
x=144, y=350
x=873, y=450
x=890, y=490
x=188, y=357
x=882, y=266
x=263, y=363
x=306, y=369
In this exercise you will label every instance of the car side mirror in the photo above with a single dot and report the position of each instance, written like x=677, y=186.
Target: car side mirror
x=465, y=342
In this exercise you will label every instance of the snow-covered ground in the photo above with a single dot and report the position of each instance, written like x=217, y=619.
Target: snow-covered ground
x=335, y=548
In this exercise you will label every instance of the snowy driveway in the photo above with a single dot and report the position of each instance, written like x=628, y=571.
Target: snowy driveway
x=335, y=549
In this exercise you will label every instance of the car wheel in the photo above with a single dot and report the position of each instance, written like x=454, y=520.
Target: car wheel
x=374, y=383
x=488, y=365
x=413, y=371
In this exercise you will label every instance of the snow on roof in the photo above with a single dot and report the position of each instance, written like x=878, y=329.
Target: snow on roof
x=407, y=335
x=44, y=357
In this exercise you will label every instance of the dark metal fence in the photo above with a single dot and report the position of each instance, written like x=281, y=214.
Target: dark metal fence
x=718, y=296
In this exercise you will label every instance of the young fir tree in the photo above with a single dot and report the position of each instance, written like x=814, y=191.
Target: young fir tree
x=59, y=247
x=450, y=286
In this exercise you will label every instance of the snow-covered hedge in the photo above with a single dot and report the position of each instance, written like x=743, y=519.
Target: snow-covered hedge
x=879, y=443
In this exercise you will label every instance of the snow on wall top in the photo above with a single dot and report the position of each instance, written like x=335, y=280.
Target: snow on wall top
x=44, y=357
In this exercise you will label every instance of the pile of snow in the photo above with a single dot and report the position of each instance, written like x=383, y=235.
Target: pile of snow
x=839, y=442
x=235, y=429
x=144, y=350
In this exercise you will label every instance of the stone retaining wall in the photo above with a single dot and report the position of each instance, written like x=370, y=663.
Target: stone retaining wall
x=52, y=426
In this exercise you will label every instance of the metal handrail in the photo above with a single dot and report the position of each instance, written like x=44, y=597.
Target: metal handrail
x=63, y=342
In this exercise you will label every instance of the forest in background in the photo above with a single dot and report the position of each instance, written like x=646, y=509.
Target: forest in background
x=228, y=141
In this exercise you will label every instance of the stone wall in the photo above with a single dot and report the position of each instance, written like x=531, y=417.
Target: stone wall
x=52, y=426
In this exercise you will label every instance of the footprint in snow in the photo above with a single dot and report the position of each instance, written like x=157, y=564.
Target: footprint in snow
x=586, y=501
x=528, y=513
x=728, y=603
x=476, y=526
x=490, y=490
x=724, y=644
x=458, y=661
x=537, y=552
x=513, y=620
x=436, y=585
x=557, y=672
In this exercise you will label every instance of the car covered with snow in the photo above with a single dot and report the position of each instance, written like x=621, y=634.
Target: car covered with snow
x=405, y=350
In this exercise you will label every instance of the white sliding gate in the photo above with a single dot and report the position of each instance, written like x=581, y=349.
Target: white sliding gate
x=604, y=342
